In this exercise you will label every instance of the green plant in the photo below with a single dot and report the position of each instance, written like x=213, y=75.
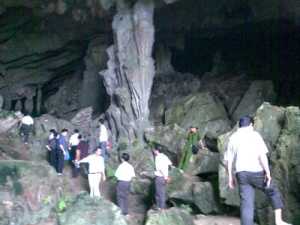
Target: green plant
x=152, y=162
x=110, y=174
x=138, y=189
x=135, y=142
x=186, y=207
x=47, y=200
x=150, y=144
x=63, y=204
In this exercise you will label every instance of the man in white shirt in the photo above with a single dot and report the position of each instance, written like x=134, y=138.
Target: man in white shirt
x=24, y=126
x=124, y=173
x=162, y=164
x=96, y=170
x=73, y=142
x=102, y=138
x=246, y=150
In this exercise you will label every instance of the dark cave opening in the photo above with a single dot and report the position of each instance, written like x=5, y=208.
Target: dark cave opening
x=263, y=51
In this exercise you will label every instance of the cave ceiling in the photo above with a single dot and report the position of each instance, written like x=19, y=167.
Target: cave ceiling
x=43, y=42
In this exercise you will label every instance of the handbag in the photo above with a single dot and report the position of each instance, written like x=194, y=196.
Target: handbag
x=194, y=149
x=108, y=145
x=67, y=155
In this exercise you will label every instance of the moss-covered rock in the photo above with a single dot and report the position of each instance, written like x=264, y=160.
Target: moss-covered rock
x=172, y=216
x=87, y=210
x=28, y=190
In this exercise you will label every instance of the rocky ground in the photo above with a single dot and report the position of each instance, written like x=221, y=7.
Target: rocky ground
x=75, y=185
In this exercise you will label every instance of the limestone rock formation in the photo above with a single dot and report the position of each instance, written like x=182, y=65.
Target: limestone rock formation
x=131, y=69
x=97, y=211
x=274, y=124
x=8, y=120
x=171, y=216
x=28, y=190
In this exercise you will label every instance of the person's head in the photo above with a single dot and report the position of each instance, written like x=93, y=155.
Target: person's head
x=55, y=134
x=64, y=132
x=79, y=137
x=101, y=121
x=246, y=121
x=76, y=131
x=158, y=149
x=125, y=157
x=52, y=131
x=98, y=151
x=193, y=128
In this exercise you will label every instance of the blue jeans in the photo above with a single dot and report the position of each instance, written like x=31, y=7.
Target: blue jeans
x=247, y=182
x=102, y=145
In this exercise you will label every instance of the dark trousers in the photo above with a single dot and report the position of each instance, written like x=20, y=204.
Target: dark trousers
x=60, y=161
x=123, y=190
x=247, y=182
x=53, y=158
x=102, y=145
x=160, y=192
x=76, y=170
x=25, y=130
x=73, y=152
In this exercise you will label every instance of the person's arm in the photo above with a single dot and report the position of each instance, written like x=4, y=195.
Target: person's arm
x=103, y=172
x=78, y=154
x=62, y=148
x=103, y=176
x=231, y=181
x=265, y=164
x=201, y=144
x=20, y=124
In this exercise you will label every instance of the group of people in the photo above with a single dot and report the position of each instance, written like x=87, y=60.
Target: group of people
x=245, y=156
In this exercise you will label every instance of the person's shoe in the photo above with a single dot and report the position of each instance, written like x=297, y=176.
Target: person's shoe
x=58, y=174
x=26, y=143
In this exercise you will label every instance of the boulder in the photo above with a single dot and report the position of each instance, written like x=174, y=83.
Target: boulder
x=28, y=191
x=8, y=119
x=172, y=137
x=186, y=189
x=172, y=216
x=259, y=92
x=205, y=162
x=97, y=211
x=200, y=109
x=277, y=126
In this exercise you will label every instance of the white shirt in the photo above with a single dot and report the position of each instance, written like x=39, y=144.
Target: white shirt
x=244, y=148
x=96, y=163
x=27, y=120
x=103, y=134
x=74, y=139
x=125, y=172
x=162, y=163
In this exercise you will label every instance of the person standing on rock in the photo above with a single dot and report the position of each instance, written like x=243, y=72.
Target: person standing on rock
x=124, y=173
x=102, y=138
x=24, y=126
x=54, y=148
x=162, y=165
x=247, y=151
x=62, y=151
x=73, y=142
x=82, y=151
x=194, y=137
x=96, y=170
